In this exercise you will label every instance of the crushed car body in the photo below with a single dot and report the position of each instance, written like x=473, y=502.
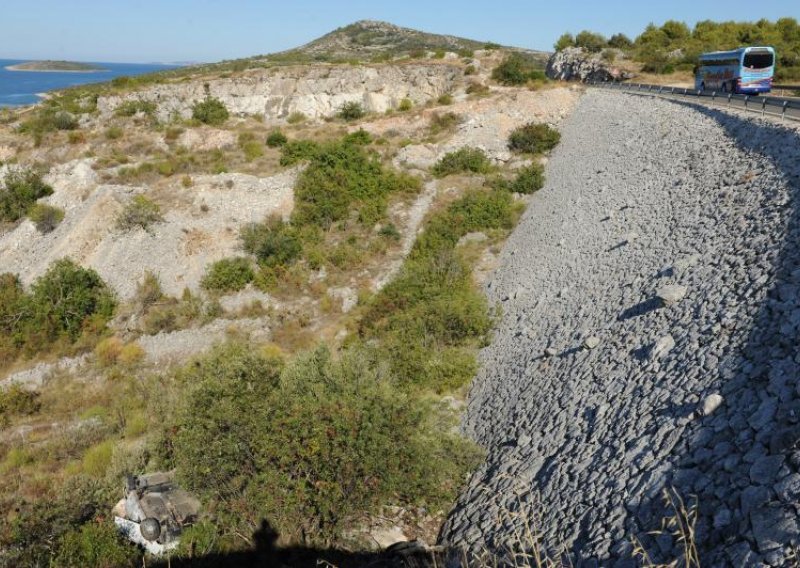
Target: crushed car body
x=155, y=511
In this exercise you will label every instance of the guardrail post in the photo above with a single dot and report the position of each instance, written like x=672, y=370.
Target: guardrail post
x=746, y=98
x=783, y=113
x=713, y=96
x=764, y=107
x=730, y=96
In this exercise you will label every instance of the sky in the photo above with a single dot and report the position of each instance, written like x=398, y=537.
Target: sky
x=147, y=31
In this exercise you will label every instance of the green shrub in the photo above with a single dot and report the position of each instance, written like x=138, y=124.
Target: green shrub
x=470, y=70
x=296, y=151
x=533, y=138
x=140, y=212
x=114, y=133
x=65, y=121
x=343, y=178
x=248, y=425
x=273, y=242
x=360, y=138
x=210, y=111
x=517, y=69
x=67, y=299
x=477, y=210
x=405, y=105
x=477, y=89
x=45, y=217
x=17, y=401
x=228, y=275
x=351, y=110
x=136, y=106
x=389, y=231
x=252, y=150
x=465, y=159
x=276, y=139
x=442, y=122
x=19, y=191
x=529, y=179
x=445, y=99
x=608, y=55
x=97, y=543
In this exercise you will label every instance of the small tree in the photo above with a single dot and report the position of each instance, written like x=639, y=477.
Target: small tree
x=139, y=212
x=517, y=69
x=566, y=40
x=620, y=41
x=210, y=111
x=590, y=41
x=352, y=110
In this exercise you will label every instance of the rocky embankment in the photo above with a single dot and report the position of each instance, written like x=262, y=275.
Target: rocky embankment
x=649, y=338
x=577, y=64
x=316, y=91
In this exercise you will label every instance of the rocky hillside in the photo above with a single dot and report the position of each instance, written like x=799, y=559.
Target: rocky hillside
x=316, y=91
x=649, y=341
x=367, y=39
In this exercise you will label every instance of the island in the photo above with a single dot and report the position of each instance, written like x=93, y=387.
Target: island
x=56, y=67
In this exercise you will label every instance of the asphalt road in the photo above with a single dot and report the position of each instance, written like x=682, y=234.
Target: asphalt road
x=783, y=107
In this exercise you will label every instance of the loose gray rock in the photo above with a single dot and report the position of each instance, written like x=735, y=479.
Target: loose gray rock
x=671, y=294
x=711, y=403
x=661, y=347
x=591, y=342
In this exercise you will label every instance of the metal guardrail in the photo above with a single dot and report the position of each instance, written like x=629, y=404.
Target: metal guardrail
x=765, y=105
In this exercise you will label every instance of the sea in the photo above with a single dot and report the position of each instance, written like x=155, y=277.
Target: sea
x=23, y=87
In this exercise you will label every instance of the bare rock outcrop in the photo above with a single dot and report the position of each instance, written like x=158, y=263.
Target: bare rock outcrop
x=577, y=64
x=316, y=91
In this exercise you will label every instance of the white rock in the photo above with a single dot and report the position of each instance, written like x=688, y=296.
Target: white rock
x=671, y=293
x=661, y=347
x=711, y=403
x=591, y=342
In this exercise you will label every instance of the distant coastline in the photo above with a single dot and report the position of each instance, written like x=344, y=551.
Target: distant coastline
x=55, y=67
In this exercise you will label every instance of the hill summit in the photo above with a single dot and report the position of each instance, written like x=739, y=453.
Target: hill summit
x=369, y=38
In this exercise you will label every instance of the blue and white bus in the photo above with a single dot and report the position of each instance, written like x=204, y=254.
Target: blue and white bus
x=746, y=70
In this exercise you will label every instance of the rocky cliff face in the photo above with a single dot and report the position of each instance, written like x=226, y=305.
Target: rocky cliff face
x=576, y=64
x=316, y=91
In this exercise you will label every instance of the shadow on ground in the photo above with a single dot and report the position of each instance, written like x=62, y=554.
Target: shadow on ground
x=267, y=554
x=743, y=461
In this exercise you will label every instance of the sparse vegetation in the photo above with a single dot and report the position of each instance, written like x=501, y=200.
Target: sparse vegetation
x=45, y=217
x=478, y=89
x=471, y=160
x=517, y=69
x=533, y=138
x=296, y=118
x=210, y=111
x=135, y=106
x=405, y=105
x=445, y=99
x=443, y=122
x=140, y=212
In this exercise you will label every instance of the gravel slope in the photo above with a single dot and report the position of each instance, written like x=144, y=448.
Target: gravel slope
x=590, y=400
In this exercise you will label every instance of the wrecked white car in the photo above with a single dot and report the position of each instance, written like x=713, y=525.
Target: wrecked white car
x=155, y=511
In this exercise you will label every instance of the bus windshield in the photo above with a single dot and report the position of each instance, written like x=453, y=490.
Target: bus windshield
x=757, y=60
